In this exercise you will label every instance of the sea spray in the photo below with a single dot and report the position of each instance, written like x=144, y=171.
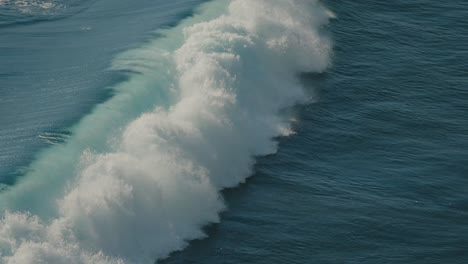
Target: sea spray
x=158, y=181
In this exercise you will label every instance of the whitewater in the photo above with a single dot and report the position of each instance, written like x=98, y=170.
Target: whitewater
x=141, y=175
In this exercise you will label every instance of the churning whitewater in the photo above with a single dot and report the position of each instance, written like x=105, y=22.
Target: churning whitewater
x=130, y=187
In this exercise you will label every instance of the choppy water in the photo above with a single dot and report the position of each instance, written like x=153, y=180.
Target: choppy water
x=375, y=171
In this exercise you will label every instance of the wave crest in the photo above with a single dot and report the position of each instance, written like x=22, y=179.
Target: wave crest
x=160, y=183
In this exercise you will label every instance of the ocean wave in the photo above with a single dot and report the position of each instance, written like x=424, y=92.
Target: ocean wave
x=128, y=187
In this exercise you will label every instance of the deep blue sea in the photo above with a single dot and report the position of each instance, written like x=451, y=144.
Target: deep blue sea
x=233, y=131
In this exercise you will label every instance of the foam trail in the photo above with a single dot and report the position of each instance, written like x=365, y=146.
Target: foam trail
x=156, y=182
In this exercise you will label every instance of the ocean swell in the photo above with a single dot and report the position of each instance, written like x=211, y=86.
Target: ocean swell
x=216, y=103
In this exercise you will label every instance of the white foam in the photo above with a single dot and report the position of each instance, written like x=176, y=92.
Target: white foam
x=31, y=6
x=157, y=183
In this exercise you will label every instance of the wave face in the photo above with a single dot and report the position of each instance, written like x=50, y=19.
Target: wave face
x=130, y=187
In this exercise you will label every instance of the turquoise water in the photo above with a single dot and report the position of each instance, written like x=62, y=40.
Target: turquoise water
x=368, y=109
x=55, y=65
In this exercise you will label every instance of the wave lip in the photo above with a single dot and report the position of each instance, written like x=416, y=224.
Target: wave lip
x=160, y=183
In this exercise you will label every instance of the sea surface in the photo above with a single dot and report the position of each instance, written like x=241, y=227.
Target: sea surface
x=243, y=131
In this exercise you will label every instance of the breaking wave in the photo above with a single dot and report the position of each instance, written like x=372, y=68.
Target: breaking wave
x=128, y=187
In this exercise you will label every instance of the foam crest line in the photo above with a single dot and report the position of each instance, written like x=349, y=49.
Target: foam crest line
x=142, y=174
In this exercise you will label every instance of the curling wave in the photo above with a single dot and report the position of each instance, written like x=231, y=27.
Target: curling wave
x=130, y=187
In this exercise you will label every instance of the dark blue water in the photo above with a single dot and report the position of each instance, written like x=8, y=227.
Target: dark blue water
x=376, y=173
